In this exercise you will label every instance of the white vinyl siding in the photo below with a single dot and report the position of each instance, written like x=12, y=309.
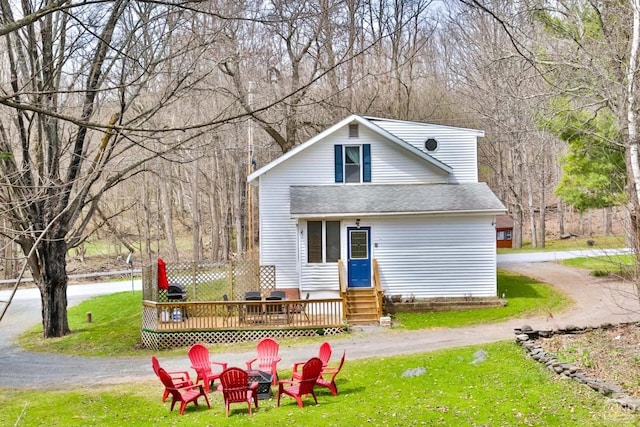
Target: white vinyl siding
x=427, y=256
x=457, y=147
x=390, y=164
x=314, y=166
x=442, y=256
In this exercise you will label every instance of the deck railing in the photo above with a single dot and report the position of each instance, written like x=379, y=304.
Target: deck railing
x=204, y=315
x=224, y=315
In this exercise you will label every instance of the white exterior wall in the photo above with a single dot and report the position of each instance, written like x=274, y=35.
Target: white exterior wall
x=391, y=164
x=436, y=256
x=457, y=147
x=315, y=166
x=427, y=257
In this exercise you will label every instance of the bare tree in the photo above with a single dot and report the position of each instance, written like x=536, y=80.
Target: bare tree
x=76, y=118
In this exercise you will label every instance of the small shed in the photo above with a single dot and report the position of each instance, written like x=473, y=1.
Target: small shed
x=504, y=231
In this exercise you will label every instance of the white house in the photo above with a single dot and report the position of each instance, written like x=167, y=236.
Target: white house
x=403, y=193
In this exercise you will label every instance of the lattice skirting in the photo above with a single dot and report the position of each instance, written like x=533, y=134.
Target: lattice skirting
x=165, y=340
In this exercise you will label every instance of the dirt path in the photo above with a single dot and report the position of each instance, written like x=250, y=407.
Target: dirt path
x=597, y=301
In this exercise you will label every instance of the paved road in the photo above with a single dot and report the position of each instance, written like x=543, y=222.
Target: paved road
x=597, y=301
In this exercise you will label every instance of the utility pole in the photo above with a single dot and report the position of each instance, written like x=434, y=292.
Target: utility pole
x=249, y=170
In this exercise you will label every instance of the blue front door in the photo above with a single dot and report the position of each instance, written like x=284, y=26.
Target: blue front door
x=359, y=262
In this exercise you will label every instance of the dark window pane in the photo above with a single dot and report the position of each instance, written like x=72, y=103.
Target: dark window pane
x=314, y=241
x=333, y=241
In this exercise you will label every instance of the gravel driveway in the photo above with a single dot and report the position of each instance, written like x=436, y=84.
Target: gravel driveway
x=598, y=300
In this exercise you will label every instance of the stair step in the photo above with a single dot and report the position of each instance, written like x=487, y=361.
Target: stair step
x=362, y=308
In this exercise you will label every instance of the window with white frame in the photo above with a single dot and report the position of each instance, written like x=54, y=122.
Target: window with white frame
x=352, y=164
x=323, y=241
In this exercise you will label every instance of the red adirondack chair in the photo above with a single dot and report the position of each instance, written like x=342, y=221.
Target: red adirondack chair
x=201, y=363
x=184, y=395
x=235, y=388
x=180, y=378
x=297, y=389
x=328, y=374
x=267, y=359
x=324, y=354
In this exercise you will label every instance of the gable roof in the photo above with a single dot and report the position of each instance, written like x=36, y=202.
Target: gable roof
x=392, y=199
x=369, y=124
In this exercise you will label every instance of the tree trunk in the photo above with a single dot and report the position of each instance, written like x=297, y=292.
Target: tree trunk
x=166, y=208
x=50, y=261
x=147, y=219
x=517, y=226
x=195, y=213
x=608, y=222
x=560, y=217
x=238, y=193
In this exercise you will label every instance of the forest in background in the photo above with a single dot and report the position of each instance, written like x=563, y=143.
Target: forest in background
x=139, y=121
x=287, y=70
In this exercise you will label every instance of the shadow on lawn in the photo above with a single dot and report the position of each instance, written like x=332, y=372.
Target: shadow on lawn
x=518, y=286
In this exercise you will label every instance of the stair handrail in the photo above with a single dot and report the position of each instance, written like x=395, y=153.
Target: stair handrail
x=343, y=289
x=379, y=292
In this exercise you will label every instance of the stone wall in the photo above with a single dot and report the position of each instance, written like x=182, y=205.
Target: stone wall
x=421, y=305
x=530, y=340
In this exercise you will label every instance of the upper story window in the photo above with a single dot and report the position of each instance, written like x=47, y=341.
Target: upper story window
x=353, y=163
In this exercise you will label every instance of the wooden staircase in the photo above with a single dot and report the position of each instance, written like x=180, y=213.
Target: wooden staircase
x=362, y=306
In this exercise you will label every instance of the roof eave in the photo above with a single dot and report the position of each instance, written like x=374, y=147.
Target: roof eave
x=379, y=214
x=305, y=145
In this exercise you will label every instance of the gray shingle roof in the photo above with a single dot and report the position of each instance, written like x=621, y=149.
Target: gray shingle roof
x=336, y=200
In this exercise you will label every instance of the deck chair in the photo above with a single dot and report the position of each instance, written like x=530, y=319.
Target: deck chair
x=180, y=378
x=253, y=312
x=324, y=354
x=252, y=296
x=275, y=309
x=298, y=389
x=235, y=388
x=201, y=363
x=230, y=310
x=184, y=395
x=278, y=294
x=328, y=374
x=300, y=308
x=267, y=359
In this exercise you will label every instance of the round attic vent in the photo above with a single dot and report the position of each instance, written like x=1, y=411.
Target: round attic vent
x=431, y=144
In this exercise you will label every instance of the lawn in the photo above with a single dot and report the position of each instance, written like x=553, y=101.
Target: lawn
x=489, y=385
x=117, y=318
x=442, y=388
x=574, y=243
x=524, y=296
x=620, y=265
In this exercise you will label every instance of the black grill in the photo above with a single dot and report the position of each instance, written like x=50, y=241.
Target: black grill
x=176, y=293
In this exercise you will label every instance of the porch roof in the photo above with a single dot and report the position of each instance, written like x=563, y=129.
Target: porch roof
x=392, y=199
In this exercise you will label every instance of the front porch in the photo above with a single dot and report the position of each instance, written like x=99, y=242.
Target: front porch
x=204, y=316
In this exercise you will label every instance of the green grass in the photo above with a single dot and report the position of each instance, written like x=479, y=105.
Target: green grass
x=604, y=265
x=524, y=296
x=115, y=328
x=574, y=243
x=507, y=389
x=116, y=319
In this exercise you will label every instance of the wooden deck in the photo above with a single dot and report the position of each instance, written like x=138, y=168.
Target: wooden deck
x=232, y=321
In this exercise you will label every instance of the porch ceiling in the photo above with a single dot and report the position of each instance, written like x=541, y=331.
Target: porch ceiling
x=368, y=199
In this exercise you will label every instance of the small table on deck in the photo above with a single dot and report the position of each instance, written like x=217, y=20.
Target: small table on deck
x=264, y=382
